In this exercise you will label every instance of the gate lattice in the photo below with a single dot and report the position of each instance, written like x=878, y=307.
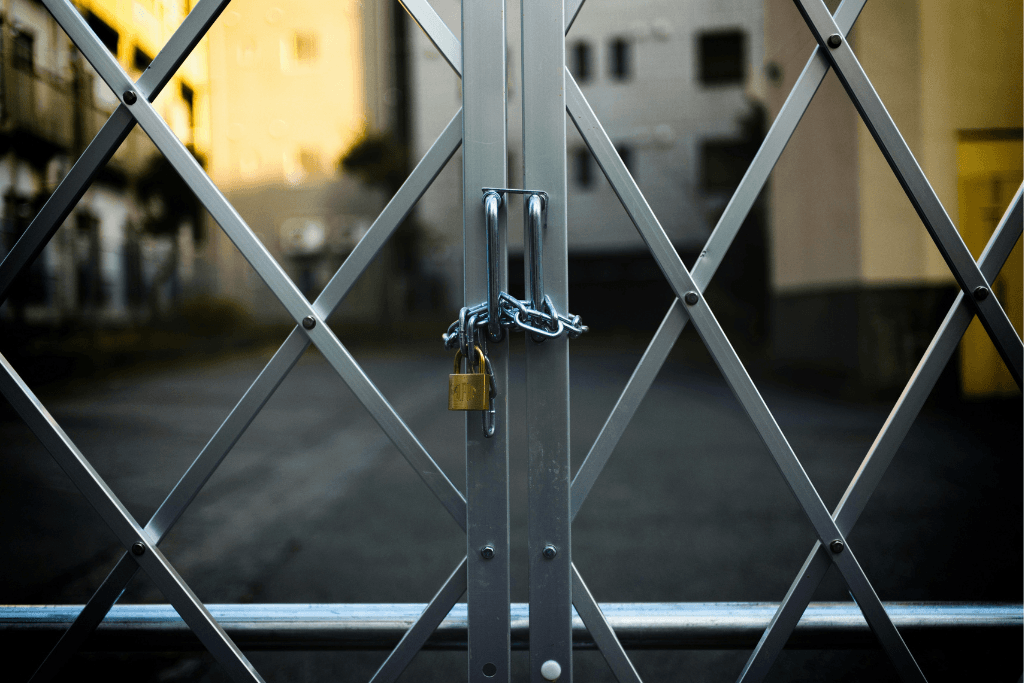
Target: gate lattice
x=556, y=586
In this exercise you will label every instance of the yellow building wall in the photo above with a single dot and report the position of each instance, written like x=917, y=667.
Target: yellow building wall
x=989, y=173
x=887, y=40
x=147, y=24
x=287, y=89
x=940, y=67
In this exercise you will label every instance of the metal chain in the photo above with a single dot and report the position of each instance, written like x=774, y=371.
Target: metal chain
x=516, y=315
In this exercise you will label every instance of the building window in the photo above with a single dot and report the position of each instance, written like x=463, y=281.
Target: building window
x=621, y=59
x=723, y=163
x=722, y=59
x=626, y=154
x=106, y=33
x=140, y=60
x=583, y=167
x=189, y=96
x=581, y=66
x=23, y=57
x=306, y=48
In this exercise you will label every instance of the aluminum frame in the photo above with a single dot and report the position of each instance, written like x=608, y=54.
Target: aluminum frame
x=554, y=501
x=549, y=541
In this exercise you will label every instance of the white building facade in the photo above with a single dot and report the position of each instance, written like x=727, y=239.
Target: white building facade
x=677, y=87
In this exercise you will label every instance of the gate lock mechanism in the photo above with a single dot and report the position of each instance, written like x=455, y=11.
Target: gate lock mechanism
x=502, y=311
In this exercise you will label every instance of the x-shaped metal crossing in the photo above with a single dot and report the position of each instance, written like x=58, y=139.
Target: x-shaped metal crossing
x=136, y=107
x=831, y=547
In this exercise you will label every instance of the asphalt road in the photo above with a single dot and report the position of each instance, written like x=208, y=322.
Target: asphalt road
x=315, y=505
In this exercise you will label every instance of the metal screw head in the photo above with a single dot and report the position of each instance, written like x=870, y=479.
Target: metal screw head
x=487, y=552
x=835, y=40
x=549, y=551
x=836, y=546
x=691, y=298
x=309, y=322
x=980, y=293
x=551, y=670
x=138, y=548
x=129, y=97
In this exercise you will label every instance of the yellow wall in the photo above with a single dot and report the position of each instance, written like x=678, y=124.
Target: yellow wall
x=287, y=90
x=990, y=171
x=148, y=24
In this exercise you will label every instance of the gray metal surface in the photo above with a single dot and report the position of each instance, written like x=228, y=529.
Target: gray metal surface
x=882, y=451
x=915, y=184
x=547, y=362
x=710, y=258
x=372, y=626
x=485, y=164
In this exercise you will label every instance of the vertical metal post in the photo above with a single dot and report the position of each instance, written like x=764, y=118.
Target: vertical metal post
x=485, y=140
x=547, y=363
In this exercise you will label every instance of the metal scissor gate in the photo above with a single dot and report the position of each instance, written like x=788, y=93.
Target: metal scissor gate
x=556, y=587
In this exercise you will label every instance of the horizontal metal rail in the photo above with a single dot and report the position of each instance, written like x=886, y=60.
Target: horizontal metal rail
x=650, y=626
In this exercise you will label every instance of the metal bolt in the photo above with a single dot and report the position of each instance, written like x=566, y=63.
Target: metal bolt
x=691, y=298
x=487, y=552
x=551, y=670
x=549, y=551
x=980, y=293
x=835, y=40
x=138, y=548
x=129, y=97
x=836, y=546
x=309, y=322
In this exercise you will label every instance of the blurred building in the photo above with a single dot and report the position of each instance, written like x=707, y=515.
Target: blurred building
x=676, y=85
x=106, y=264
x=293, y=87
x=859, y=286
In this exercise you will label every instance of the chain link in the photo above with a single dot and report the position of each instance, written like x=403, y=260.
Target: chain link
x=516, y=315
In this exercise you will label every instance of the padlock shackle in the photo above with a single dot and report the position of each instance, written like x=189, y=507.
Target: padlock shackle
x=459, y=357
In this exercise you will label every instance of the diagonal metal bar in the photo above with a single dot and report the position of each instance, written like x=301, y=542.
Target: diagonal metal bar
x=916, y=185
x=124, y=526
x=437, y=31
x=413, y=640
x=572, y=10
x=261, y=261
x=102, y=148
x=259, y=393
x=710, y=258
x=882, y=451
x=736, y=377
x=601, y=631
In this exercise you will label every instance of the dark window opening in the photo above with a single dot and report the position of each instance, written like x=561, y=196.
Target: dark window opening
x=626, y=154
x=621, y=65
x=583, y=168
x=189, y=96
x=581, y=68
x=723, y=164
x=106, y=33
x=721, y=59
x=140, y=60
x=23, y=57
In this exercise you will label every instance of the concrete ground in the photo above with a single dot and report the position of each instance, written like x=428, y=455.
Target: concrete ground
x=315, y=505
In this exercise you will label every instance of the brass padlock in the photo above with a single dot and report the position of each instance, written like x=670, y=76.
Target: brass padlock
x=470, y=390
